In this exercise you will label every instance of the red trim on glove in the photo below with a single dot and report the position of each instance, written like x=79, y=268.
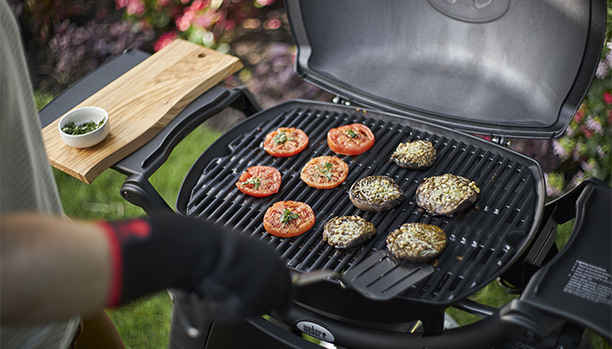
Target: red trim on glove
x=114, y=295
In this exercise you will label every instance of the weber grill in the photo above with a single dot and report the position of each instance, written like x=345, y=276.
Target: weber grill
x=482, y=241
x=425, y=70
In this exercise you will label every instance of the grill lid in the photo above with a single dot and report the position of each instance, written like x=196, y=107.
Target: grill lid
x=510, y=68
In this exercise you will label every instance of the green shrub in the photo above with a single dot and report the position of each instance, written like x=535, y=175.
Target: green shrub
x=585, y=150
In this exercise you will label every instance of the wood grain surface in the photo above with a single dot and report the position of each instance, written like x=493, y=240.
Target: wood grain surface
x=140, y=103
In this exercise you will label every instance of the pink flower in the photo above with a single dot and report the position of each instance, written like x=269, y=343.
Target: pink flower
x=205, y=20
x=121, y=4
x=197, y=5
x=579, y=115
x=577, y=179
x=607, y=97
x=144, y=26
x=135, y=7
x=164, y=40
x=587, y=133
x=273, y=23
x=588, y=167
x=602, y=70
x=229, y=25
x=593, y=125
x=184, y=22
x=601, y=152
x=551, y=190
x=559, y=150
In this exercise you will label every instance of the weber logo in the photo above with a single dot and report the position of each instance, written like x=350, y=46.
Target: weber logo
x=472, y=11
x=317, y=331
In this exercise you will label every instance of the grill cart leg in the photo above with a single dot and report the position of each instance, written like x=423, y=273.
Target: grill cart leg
x=433, y=325
x=187, y=329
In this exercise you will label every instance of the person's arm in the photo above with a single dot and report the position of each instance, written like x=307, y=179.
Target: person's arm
x=51, y=268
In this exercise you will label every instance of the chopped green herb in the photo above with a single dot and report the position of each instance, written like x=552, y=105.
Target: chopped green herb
x=280, y=138
x=255, y=181
x=326, y=170
x=288, y=216
x=72, y=129
x=351, y=133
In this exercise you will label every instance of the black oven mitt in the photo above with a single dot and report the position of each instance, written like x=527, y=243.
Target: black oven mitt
x=239, y=276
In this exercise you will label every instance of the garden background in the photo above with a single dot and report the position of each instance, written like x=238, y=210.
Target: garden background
x=66, y=39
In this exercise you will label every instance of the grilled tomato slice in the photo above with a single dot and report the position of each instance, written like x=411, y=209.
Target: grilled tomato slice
x=285, y=141
x=259, y=181
x=288, y=218
x=324, y=172
x=351, y=139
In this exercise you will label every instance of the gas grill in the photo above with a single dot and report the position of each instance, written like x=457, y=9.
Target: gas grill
x=426, y=70
x=482, y=241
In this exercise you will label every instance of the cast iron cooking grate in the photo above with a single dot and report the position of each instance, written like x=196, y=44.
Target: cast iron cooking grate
x=482, y=240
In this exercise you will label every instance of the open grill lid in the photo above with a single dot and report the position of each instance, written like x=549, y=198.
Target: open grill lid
x=497, y=67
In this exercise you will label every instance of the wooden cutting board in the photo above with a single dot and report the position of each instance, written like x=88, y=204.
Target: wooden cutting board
x=140, y=103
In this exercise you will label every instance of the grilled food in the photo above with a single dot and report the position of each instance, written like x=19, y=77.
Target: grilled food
x=446, y=195
x=259, y=181
x=285, y=141
x=415, y=155
x=324, y=172
x=347, y=231
x=288, y=218
x=352, y=139
x=376, y=193
x=416, y=242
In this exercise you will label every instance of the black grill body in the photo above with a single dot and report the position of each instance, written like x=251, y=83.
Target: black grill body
x=483, y=240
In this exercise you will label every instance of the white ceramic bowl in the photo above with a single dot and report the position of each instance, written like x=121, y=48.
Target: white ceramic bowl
x=82, y=115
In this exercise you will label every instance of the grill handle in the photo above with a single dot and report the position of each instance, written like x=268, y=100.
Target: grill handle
x=515, y=321
x=142, y=163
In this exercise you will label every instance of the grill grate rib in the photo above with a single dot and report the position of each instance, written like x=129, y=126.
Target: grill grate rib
x=482, y=241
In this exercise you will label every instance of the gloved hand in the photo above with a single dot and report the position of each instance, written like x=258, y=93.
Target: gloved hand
x=239, y=276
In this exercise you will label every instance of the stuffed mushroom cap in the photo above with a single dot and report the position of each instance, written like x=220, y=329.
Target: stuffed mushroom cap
x=446, y=195
x=376, y=193
x=416, y=242
x=416, y=155
x=347, y=231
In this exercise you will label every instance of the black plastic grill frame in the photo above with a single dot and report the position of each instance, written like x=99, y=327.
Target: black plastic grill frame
x=483, y=241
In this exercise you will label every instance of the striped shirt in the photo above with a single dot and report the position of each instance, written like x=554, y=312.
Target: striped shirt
x=26, y=180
